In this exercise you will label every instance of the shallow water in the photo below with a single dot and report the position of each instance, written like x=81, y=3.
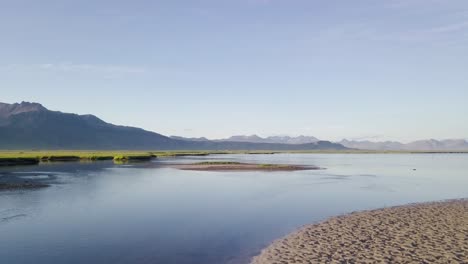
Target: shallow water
x=148, y=213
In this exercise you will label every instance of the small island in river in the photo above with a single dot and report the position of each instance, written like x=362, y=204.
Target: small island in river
x=239, y=166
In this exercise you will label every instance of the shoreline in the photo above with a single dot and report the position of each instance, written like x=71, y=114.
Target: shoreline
x=431, y=232
x=32, y=157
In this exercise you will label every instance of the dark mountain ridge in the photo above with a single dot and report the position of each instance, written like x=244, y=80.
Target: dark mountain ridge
x=32, y=126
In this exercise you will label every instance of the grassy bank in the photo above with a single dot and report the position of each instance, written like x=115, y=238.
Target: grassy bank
x=9, y=158
x=10, y=161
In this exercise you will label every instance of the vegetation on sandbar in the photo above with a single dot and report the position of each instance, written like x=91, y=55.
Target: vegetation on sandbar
x=239, y=166
x=275, y=166
x=262, y=166
x=217, y=163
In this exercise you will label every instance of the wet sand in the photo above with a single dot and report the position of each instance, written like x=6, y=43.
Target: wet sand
x=435, y=232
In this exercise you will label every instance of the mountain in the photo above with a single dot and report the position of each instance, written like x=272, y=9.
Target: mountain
x=420, y=145
x=293, y=140
x=432, y=144
x=252, y=139
x=369, y=145
x=190, y=139
x=32, y=126
x=273, y=139
x=7, y=110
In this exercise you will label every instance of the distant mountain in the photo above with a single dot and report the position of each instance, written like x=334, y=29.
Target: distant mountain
x=32, y=126
x=252, y=139
x=432, y=144
x=293, y=140
x=190, y=139
x=369, y=145
x=273, y=139
x=420, y=145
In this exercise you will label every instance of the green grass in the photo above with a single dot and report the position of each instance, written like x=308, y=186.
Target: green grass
x=20, y=157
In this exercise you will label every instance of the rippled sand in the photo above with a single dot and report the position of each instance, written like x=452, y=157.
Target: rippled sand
x=434, y=232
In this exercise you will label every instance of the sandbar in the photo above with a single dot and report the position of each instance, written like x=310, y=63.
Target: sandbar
x=238, y=166
x=435, y=232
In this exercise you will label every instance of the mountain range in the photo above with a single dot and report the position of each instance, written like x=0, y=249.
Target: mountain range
x=275, y=139
x=257, y=139
x=419, y=145
x=32, y=126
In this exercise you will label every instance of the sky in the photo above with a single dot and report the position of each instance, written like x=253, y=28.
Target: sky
x=375, y=70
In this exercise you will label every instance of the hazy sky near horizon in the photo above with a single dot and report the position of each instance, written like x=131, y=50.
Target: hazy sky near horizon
x=332, y=69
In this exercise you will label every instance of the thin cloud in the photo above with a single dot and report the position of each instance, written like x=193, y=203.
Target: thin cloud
x=107, y=69
x=450, y=28
x=440, y=35
x=260, y=2
x=93, y=68
x=412, y=3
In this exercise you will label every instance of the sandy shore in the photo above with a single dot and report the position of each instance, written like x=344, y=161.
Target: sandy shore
x=434, y=232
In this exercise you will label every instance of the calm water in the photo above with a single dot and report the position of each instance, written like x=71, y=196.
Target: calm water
x=148, y=213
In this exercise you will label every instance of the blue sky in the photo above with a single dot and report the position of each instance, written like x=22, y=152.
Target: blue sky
x=332, y=69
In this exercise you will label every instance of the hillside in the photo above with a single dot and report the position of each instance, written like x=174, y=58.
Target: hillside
x=32, y=126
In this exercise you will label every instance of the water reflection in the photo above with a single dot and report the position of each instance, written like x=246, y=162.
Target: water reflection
x=149, y=213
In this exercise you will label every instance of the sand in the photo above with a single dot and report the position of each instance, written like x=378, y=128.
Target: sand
x=435, y=232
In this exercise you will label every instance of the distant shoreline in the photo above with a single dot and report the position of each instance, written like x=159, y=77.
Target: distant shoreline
x=33, y=157
x=423, y=233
